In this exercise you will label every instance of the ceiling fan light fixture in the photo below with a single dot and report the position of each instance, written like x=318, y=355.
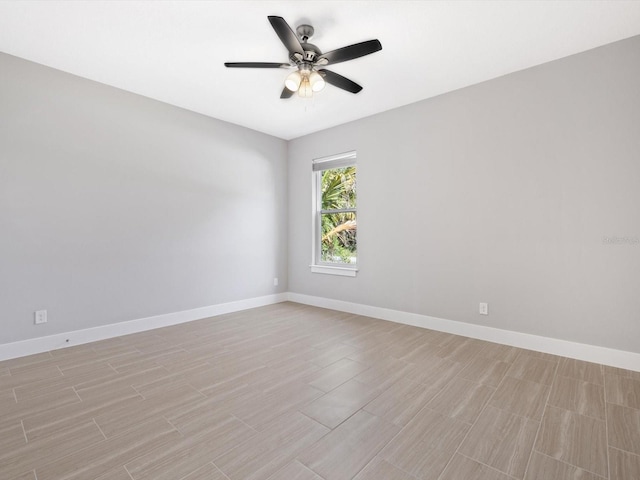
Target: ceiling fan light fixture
x=293, y=81
x=316, y=81
x=305, y=89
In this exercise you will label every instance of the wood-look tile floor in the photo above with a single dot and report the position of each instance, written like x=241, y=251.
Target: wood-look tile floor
x=291, y=392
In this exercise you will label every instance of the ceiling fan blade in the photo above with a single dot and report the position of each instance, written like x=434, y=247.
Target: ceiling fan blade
x=340, y=81
x=256, y=65
x=286, y=93
x=352, y=51
x=286, y=35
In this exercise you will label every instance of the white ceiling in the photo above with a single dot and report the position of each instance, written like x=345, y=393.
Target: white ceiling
x=174, y=51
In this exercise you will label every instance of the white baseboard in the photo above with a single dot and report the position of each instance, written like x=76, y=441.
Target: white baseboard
x=580, y=351
x=78, y=337
x=565, y=348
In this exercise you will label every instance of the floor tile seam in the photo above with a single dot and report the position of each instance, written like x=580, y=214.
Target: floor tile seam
x=8, y=360
x=220, y=470
x=115, y=380
x=41, y=392
x=202, y=466
x=390, y=463
x=488, y=466
x=96, y=424
x=124, y=369
x=520, y=354
x=558, y=376
x=425, y=406
x=161, y=414
x=519, y=415
x=403, y=427
x=620, y=405
x=633, y=454
x=359, y=409
x=544, y=410
x=128, y=472
x=471, y=380
x=570, y=464
x=496, y=359
x=329, y=391
x=249, y=426
x=73, y=387
x=606, y=422
x=535, y=440
x=24, y=432
x=530, y=381
x=365, y=465
x=623, y=375
x=138, y=392
x=464, y=439
x=12, y=453
x=579, y=413
x=607, y=404
x=82, y=448
x=320, y=367
x=381, y=392
x=196, y=390
x=112, y=367
x=623, y=450
x=29, y=368
x=547, y=405
x=304, y=466
x=479, y=383
x=582, y=380
x=130, y=430
x=126, y=432
x=599, y=365
x=331, y=429
x=181, y=448
x=173, y=425
x=185, y=384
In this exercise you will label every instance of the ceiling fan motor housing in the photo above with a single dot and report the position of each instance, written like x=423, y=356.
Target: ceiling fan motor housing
x=309, y=55
x=311, y=52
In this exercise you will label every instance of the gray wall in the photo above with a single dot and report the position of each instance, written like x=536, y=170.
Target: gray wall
x=501, y=193
x=115, y=207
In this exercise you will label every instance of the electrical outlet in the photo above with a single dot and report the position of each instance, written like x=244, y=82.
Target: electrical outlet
x=275, y=281
x=40, y=317
x=484, y=309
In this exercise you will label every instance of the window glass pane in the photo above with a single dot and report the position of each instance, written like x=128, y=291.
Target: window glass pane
x=339, y=188
x=338, y=239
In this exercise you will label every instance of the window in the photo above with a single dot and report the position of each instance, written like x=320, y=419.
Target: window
x=335, y=228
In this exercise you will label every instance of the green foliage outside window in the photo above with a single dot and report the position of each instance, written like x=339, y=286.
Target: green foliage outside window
x=338, y=228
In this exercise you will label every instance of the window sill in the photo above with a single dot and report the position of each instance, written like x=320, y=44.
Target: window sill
x=328, y=270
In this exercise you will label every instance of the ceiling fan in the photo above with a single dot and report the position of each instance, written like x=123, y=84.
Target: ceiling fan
x=310, y=75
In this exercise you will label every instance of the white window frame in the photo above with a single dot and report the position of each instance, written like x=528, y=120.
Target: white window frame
x=318, y=166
